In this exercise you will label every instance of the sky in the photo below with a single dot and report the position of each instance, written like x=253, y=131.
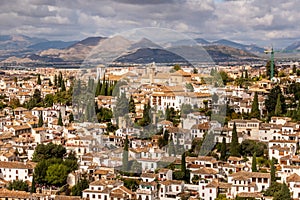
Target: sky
x=265, y=23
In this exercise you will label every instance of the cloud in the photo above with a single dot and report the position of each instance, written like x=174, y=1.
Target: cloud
x=249, y=21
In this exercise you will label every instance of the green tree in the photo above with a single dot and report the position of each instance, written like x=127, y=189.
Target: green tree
x=71, y=118
x=283, y=194
x=33, y=189
x=275, y=187
x=254, y=167
x=57, y=174
x=98, y=88
x=224, y=77
x=271, y=100
x=195, y=71
x=234, y=146
x=60, y=122
x=48, y=100
x=272, y=172
x=131, y=105
x=255, y=113
x=177, y=67
x=103, y=87
x=183, y=165
x=63, y=86
x=294, y=69
x=249, y=147
x=50, y=83
x=223, y=149
x=44, y=152
x=125, y=155
x=215, y=98
x=40, y=172
x=55, y=80
x=79, y=187
x=278, y=109
x=18, y=185
x=122, y=106
x=171, y=148
x=14, y=103
x=39, y=81
x=41, y=121
x=146, y=120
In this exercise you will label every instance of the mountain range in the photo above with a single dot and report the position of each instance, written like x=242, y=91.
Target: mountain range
x=20, y=48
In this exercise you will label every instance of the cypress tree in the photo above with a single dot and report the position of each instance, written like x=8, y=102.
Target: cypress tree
x=59, y=79
x=55, y=80
x=131, y=105
x=71, y=117
x=39, y=81
x=278, y=108
x=255, y=113
x=223, y=149
x=254, y=168
x=60, y=122
x=171, y=149
x=272, y=172
x=125, y=155
x=103, y=87
x=183, y=165
x=98, y=88
x=63, y=87
x=50, y=83
x=41, y=122
x=33, y=189
x=168, y=117
x=234, y=146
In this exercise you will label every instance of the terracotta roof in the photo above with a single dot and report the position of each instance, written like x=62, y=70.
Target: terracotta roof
x=205, y=170
x=148, y=175
x=233, y=158
x=293, y=178
x=5, y=193
x=63, y=197
x=15, y=165
x=171, y=182
x=242, y=175
x=250, y=194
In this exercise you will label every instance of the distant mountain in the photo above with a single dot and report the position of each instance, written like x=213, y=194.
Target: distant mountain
x=148, y=55
x=18, y=42
x=251, y=48
x=51, y=45
x=90, y=41
x=220, y=53
x=144, y=43
x=120, y=49
x=293, y=47
x=202, y=41
x=77, y=51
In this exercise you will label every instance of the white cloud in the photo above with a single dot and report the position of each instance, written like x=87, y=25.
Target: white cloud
x=250, y=21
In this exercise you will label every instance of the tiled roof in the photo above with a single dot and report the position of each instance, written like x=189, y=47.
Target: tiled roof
x=15, y=165
x=5, y=193
x=293, y=178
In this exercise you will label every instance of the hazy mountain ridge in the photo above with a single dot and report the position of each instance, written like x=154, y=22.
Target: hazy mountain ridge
x=144, y=50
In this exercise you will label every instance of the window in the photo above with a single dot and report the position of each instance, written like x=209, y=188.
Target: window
x=16, y=171
x=94, y=196
x=210, y=190
x=99, y=196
